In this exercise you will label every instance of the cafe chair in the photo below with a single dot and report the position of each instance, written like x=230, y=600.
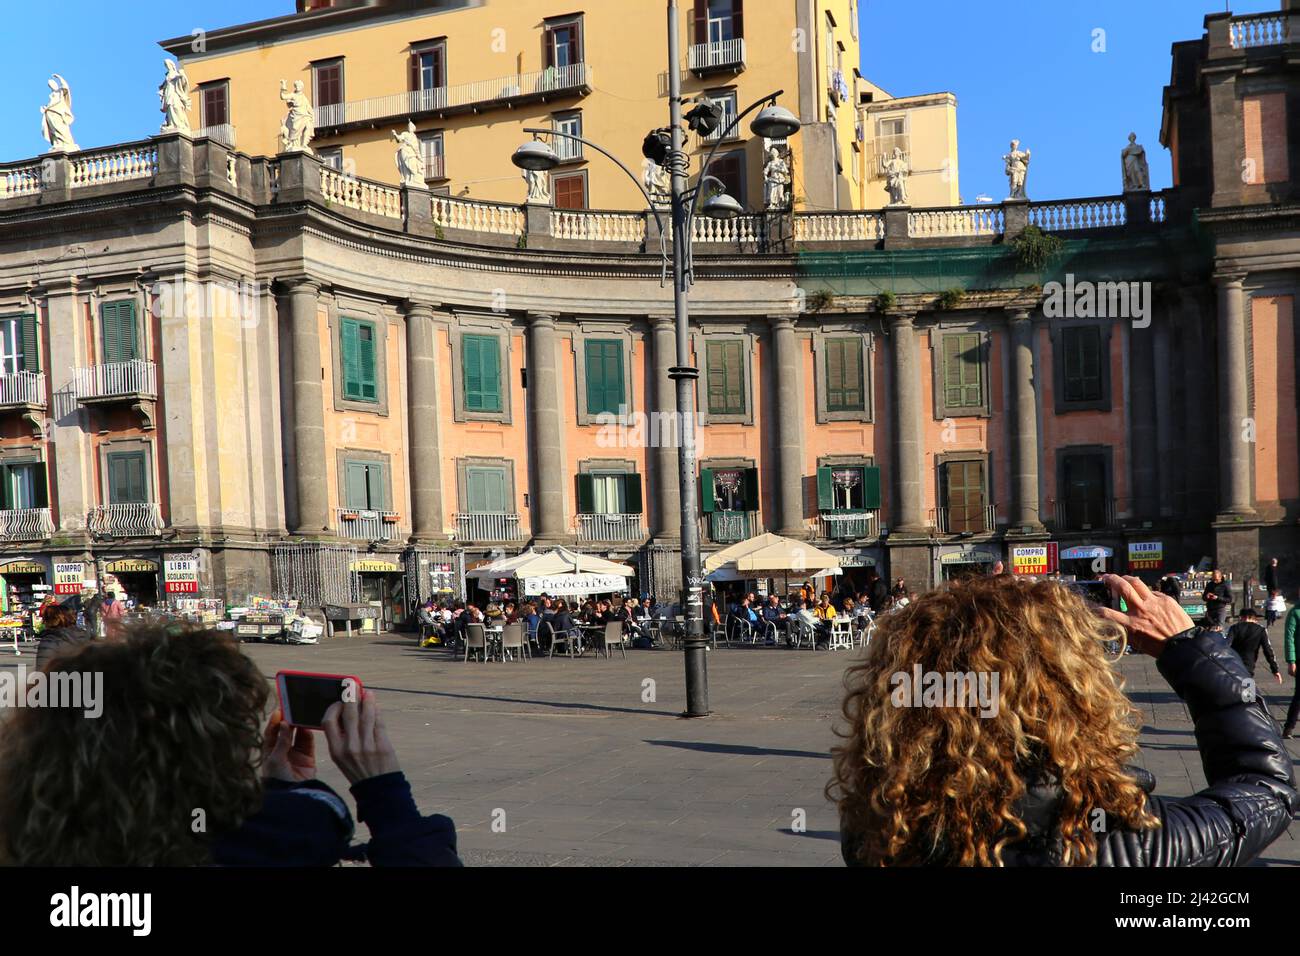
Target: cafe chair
x=614, y=637
x=559, y=637
x=475, y=640
x=512, y=639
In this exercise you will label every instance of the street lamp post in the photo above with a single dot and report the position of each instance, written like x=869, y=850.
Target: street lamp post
x=772, y=122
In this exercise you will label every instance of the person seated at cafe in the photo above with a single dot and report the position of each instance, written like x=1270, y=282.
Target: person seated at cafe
x=775, y=615
x=510, y=612
x=747, y=617
x=825, y=612
x=807, y=616
x=561, y=620
x=493, y=615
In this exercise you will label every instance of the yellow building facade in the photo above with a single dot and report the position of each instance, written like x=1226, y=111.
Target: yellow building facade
x=472, y=74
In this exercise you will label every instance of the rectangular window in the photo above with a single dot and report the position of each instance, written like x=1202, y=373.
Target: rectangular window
x=23, y=485
x=118, y=331
x=1263, y=120
x=328, y=80
x=11, y=358
x=604, y=370
x=963, y=495
x=428, y=67
x=570, y=191
x=726, y=101
x=431, y=145
x=729, y=489
x=717, y=21
x=962, y=368
x=564, y=43
x=331, y=156
x=365, y=485
x=481, y=355
x=609, y=493
x=729, y=168
x=485, y=489
x=571, y=125
x=1082, y=364
x=214, y=100
x=357, y=351
x=845, y=383
x=1084, y=492
x=850, y=488
x=128, y=479
x=726, y=378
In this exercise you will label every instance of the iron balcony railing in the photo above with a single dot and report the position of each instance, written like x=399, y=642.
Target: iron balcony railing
x=116, y=380
x=971, y=520
x=485, y=526
x=137, y=519
x=568, y=150
x=720, y=55
x=728, y=527
x=1084, y=513
x=223, y=133
x=22, y=388
x=610, y=527
x=25, y=524
x=847, y=525
x=359, y=524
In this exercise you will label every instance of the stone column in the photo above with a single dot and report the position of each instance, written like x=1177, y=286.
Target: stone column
x=545, y=429
x=667, y=492
x=1025, y=451
x=424, y=460
x=301, y=301
x=1167, y=457
x=907, y=518
x=1234, y=449
x=68, y=447
x=1199, y=435
x=789, y=430
x=1143, y=448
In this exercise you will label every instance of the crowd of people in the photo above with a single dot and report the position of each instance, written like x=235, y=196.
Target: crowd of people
x=747, y=617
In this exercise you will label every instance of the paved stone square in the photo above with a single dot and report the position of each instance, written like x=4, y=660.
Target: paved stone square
x=587, y=773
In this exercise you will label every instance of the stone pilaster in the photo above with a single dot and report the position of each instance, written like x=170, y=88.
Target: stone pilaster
x=1143, y=449
x=424, y=458
x=67, y=427
x=545, y=429
x=1236, y=445
x=1025, y=517
x=907, y=519
x=789, y=433
x=301, y=299
x=1167, y=459
x=667, y=515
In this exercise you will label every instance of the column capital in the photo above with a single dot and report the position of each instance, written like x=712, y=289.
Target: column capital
x=298, y=285
x=418, y=308
x=1018, y=313
x=663, y=320
x=1229, y=278
x=900, y=319
x=782, y=320
x=540, y=319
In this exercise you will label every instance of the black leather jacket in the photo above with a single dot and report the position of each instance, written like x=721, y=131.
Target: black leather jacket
x=1248, y=804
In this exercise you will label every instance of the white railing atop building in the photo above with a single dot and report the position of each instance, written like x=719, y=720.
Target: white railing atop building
x=554, y=79
x=24, y=179
x=25, y=524
x=839, y=227
x=956, y=221
x=223, y=133
x=364, y=525
x=22, y=388
x=598, y=226
x=472, y=216
x=1260, y=29
x=717, y=55
x=136, y=377
x=361, y=194
x=738, y=230
x=487, y=526
x=114, y=165
x=126, y=520
x=609, y=527
x=1071, y=214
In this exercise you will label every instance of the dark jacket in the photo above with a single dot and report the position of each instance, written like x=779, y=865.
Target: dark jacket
x=1171, y=586
x=1218, y=594
x=1270, y=578
x=308, y=824
x=1248, y=804
x=1247, y=638
x=878, y=594
x=55, y=641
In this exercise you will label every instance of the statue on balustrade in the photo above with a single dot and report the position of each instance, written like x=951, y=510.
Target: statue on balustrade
x=56, y=117
x=777, y=179
x=1017, y=167
x=896, y=170
x=1137, y=175
x=657, y=183
x=299, y=125
x=174, y=94
x=539, y=186
x=410, y=159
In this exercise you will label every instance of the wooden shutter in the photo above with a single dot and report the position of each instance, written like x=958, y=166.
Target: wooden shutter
x=708, y=503
x=40, y=486
x=349, y=357
x=30, y=352
x=481, y=357
x=870, y=488
x=126, y=478
x=586, y=495
x=749, y=488
x=117, y=325
x=354, y=485
x=549, y=42
x=738, y=19
x=413, y=71
x=845, y=386
x=726, y=378
x=962, y=367
x=605, y=387
x=1082, y=354
x=632, y=497
x=965, y=495
x=570, y=191
x=825, y=494
x=366, y=381
x=701, y=21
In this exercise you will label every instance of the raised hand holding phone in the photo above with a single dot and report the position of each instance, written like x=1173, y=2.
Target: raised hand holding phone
x=1151, y=619
x=289, y=753
x=357, y=739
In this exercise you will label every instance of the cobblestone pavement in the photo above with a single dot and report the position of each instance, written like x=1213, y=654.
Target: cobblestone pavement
x=576, y=765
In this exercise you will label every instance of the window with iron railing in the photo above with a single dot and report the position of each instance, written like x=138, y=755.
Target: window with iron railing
x=963, y=493
x=327, y=83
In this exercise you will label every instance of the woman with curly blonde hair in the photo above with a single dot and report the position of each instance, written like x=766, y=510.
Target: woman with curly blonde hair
x=1036, y=772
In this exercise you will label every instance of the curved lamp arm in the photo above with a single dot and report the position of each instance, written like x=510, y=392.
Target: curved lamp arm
x=693, y=208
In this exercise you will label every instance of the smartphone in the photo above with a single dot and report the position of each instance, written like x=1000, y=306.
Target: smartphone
x=304, y=697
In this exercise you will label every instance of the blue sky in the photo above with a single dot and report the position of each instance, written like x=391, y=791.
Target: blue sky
x=1019, y=68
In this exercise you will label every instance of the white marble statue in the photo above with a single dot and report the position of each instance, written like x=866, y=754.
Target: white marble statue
x=539, y=186
x=56, y=117
x=1137, y=176
x=896, y=170
x=657, y=182
x=174, y=95
x=1017, y=167
x=776, y=180
x=299, y=125
x=410, y=157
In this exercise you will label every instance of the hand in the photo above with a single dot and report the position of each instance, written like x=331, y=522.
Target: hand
x=358, y=742
x=1290, y=668
x=1151, y=619
x=289, y=753
x=1279, y=676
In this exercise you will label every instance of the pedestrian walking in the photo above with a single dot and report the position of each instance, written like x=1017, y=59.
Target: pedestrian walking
x=1247, y=638
x=1218, y=598
x=1291, y=630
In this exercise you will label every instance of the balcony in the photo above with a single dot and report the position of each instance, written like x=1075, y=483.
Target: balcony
x=22, y=390
x=116, y=382
x=719, y=56
x=363, y=525
x=848, y=525
x=134, y=520
x=487, y=527
x=223, y=133
x=728, y=527
x=1084, y=514
x=25, y=524
x=568, y=150
x=506, y=91
x=609, y=527
x=724, y=130
x=974, y=520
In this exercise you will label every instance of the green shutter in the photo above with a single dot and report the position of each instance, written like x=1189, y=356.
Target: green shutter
x=726, y=378
x=482, y=360
x=845, y=388
x=1082, y=363
x=31, y=353
x=486, y=490
x=357, y=356
x=825, y=498
x=586, y=495
x=707, y=502
x=127, y=483
x=749, y=489
x=871, y=488
x=6, y=487
x=117, y=326
x=367, y=380
x=962, y=368
x=354, y=485
x=40, y=486
x=605, y=387
x=632, y=494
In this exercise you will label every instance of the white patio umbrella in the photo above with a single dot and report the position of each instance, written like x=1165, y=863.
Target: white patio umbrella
x=766, y=555
x=558, y=571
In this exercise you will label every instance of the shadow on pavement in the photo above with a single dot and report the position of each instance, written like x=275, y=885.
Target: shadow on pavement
x=564, y=705
x=739, y=749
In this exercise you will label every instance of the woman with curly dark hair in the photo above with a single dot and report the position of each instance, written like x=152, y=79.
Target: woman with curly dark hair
x=1026, y=776
x=177, y=769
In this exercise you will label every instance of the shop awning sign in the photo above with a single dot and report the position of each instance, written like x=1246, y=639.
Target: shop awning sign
x=1086, y=552
x=1146, y=555
x=132, y=566
x=375, y=567
x=181, y=575
x=574, y=584
x=968, y=556
x=69, y=577
x=22, y=567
